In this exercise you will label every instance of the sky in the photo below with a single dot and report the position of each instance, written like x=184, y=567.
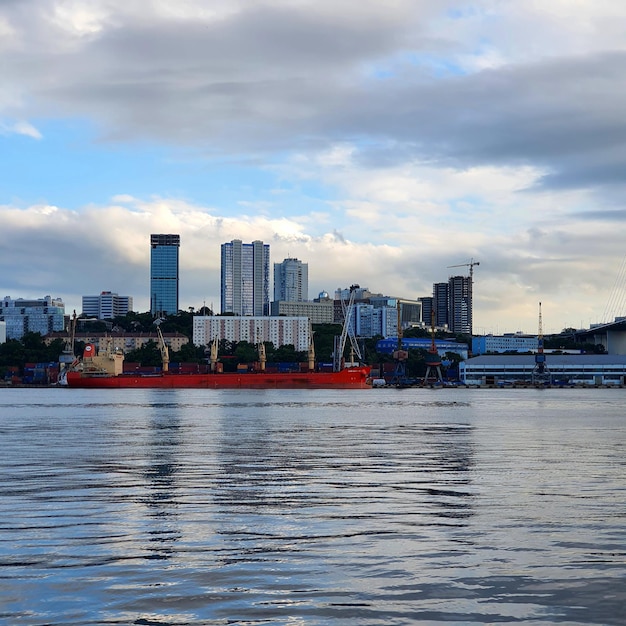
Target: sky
x=379, y=142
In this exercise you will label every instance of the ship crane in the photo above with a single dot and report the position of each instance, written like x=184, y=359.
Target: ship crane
x=165, y=353
x=346, y=332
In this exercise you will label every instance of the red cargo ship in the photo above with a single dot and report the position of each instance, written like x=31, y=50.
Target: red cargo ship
x=348, y=378
x=105, y=370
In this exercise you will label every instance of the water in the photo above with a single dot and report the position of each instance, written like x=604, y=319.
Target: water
x=413, y=506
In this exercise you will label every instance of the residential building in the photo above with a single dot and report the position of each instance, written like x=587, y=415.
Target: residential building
x=164, y=265
x=428, y=307
x=107, y=305
x=124, y=341
x=371, y=320
x=317, y=312
x=378, y=315
x=440, y=304
x=281, y=331
x=460, y=304
x=39, y=316
x=291, y=281
x=245, y=284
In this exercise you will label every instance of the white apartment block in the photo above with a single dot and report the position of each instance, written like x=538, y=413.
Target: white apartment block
x=107, y=305
x=317, y=312
x=281, y=331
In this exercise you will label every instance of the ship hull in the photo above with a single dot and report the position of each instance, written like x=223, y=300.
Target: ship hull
x=349, y=378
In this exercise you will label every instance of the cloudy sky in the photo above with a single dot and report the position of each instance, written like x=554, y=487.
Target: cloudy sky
x=380, y=142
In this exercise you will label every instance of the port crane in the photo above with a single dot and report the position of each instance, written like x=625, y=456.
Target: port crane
x=433, y=360
x=400, y=355
x=541, y=374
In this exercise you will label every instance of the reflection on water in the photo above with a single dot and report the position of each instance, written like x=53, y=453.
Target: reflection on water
x=293, y=507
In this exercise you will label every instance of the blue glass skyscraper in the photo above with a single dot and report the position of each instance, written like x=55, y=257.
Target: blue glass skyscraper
x=164, y=274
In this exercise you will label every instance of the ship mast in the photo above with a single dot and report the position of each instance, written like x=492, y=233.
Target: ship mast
x=311, y=352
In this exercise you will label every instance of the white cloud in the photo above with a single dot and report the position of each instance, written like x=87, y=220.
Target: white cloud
x=438, y=132
x=20, y=128
x=107, y=247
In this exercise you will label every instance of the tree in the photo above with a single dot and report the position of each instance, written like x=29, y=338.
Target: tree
x=323, y=340
x=287, y=354
x=147, y=355
x=188, y=353
x=246, y=352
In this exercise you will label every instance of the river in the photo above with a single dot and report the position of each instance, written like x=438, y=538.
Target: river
x=374, y=507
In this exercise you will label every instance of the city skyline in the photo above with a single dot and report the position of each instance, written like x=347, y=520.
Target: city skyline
x=381, y=143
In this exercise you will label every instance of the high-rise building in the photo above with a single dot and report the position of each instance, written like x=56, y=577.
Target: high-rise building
x=440, y=304
x=42, y=316
x=281, y=331
x=460, y=304
x=428, y=307
x=107, y=305
x=291, y=281
x=164, y=274
x=245, y=288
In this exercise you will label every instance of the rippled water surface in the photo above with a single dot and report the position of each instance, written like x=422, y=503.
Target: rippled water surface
x=412, y=506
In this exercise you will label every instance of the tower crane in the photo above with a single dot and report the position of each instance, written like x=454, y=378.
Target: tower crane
x=470, y=265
